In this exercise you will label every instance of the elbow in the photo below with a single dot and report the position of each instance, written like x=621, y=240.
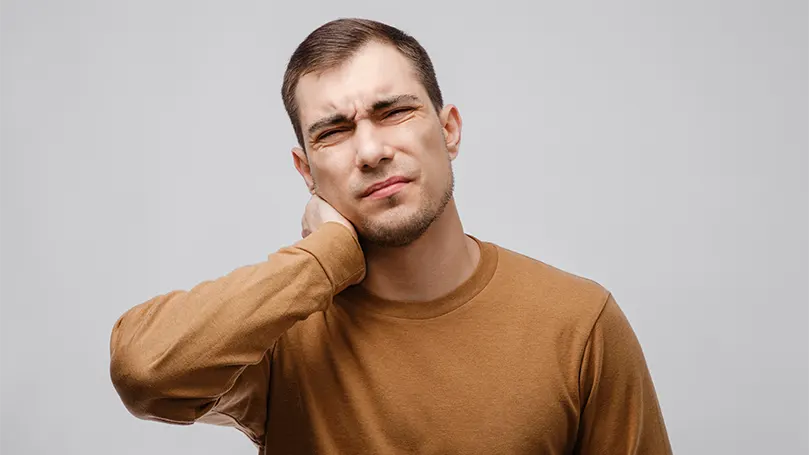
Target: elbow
x=134, y=383
x=147, y=396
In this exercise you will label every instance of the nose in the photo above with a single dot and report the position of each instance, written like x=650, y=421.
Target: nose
x=371, y=148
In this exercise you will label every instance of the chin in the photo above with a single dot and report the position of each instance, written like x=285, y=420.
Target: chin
x=398, y=220
x=398, y=227
x=391, y=236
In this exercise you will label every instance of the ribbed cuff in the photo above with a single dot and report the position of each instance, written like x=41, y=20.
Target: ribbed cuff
x=338, y=251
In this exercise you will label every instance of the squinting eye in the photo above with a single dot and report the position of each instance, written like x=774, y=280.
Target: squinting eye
x=328, y=133
x=396, y=112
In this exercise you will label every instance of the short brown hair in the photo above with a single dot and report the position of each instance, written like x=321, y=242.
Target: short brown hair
x=334, y=42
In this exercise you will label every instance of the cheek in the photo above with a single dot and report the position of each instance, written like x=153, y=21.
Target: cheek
x=332, y=166
x=332, y=179
x=420, y=135
x=422, y=145
x=432, y=151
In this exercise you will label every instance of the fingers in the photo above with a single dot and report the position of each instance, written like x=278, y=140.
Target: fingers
x=306, y=227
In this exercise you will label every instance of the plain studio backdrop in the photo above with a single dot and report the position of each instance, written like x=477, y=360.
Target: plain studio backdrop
x=658, y=148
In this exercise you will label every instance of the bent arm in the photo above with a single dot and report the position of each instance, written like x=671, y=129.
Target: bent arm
x=203, y=354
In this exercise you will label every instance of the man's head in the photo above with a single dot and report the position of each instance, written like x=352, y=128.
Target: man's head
x=366, y=107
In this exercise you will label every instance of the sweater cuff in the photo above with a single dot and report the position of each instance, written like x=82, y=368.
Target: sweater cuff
x=338, y=252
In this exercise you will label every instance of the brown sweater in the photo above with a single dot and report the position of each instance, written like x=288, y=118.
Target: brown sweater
x=521, y=358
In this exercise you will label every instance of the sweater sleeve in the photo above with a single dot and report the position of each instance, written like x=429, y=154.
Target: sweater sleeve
x=620, y=412
x=203, y=355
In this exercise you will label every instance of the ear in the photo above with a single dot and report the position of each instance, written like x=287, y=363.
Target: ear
x=302, y=165
x=451, y=122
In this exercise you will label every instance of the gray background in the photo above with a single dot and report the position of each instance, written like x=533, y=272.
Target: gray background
x=659, y=148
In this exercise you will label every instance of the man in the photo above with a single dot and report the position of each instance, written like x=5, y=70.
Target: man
x=386, y=328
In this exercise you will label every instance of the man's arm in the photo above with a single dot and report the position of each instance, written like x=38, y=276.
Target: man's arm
x=204, y=354
x=620, y=413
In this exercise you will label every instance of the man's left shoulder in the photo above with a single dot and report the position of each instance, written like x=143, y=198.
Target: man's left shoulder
x=549, y=290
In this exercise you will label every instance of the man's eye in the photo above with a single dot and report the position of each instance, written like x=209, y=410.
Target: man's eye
x=328, y=133
x=396, y=112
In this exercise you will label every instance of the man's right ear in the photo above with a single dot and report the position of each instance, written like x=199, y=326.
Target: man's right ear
x=302, y=165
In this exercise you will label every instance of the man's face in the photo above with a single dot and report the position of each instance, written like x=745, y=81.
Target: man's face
x=368, y=121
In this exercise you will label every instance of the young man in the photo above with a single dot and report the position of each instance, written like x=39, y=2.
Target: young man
x=387, y=329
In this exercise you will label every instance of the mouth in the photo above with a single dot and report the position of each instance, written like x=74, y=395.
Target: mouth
x=385, y=188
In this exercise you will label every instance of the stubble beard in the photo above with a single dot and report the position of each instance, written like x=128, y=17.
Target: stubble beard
x=403, y=232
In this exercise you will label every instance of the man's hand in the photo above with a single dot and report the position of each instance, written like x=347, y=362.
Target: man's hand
x=317, y=212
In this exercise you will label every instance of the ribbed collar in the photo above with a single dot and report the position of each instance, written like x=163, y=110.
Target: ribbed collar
x=357, y=299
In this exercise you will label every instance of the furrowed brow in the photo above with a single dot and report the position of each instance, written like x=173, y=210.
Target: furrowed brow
x=336, y=119
x=393, y=101
x=339, y=119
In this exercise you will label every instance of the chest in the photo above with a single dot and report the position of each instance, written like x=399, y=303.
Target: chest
x=418, y=388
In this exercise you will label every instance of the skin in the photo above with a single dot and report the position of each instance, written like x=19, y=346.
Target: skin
x=366, y=121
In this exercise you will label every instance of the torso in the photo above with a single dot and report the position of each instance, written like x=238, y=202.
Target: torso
x=495, y=375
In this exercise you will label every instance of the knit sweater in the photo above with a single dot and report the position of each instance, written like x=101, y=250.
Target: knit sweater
x=521, y=358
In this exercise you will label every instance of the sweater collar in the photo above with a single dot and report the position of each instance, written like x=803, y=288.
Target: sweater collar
x=357, y=299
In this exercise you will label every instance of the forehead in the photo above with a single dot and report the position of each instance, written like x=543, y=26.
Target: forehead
x=376, y=71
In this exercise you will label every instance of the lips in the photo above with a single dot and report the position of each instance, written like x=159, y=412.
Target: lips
x=378, y=186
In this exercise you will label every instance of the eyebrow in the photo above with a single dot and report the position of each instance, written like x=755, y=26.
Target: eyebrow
x=337, y=119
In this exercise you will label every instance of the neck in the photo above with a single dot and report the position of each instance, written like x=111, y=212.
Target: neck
x=433, y=265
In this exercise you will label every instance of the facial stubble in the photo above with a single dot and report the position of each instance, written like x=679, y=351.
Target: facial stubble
x=403, y=232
